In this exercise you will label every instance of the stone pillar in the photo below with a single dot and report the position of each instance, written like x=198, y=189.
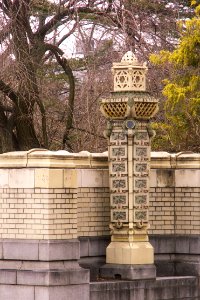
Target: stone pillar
x=128, y=110
x=39, y=249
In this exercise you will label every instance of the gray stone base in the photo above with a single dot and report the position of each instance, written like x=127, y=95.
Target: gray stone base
x=22, y=292
x=128, y=272
x=171, y=288
x=42, y=270
x=174, y=255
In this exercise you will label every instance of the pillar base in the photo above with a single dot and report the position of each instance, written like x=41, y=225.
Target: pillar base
x=126, y=253
x=128, y=272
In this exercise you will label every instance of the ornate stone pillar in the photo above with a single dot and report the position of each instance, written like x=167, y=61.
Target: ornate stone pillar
x=128, y=111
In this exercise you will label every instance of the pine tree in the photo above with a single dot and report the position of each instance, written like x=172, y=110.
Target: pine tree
x=180, y=129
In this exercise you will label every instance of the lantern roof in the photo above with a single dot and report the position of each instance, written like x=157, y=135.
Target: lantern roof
x=129, y=60
x=129, y=57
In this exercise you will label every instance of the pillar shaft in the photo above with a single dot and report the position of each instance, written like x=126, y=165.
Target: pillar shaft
x=128, y=111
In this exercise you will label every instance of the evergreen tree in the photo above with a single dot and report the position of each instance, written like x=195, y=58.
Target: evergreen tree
x=180, y=129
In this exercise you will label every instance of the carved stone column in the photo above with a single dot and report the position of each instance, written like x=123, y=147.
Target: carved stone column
x=128, y=111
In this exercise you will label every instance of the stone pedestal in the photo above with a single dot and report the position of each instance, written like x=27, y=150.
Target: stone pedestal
x=135, y=253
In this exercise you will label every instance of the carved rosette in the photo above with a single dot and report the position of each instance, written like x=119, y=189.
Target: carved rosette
x=128, y=111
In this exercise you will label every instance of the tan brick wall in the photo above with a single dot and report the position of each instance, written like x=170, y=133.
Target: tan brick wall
x=187, y=210
x=59, y=195
x=161, y=211
x=93, y=211
x=38, y=213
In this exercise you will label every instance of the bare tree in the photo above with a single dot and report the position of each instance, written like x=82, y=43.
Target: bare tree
x=25, y=39
x=32, y=33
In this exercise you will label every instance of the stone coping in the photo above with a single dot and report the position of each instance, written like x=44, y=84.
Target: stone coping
x=42, y=158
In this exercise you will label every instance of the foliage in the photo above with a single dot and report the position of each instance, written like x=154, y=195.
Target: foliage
x=47, y=100
x=180, y=130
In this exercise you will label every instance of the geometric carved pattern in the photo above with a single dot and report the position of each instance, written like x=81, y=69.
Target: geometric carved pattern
x=141, y=178
x=132, y=80
x=118, y=200
x=118, y=184
x=119, y=215
x=122, y=79
x=116, y=135
x=141, y=135
x=118, y=151
x=137, y=79
x=141, y=200
x=115, y=110
x=140, y=215
x=118, y=174
x=118, y=167
x=129, y=74
x=145, y=109
x=141, y=151
x=142, y=168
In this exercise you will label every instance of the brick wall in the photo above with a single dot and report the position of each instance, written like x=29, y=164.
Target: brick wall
x=93, y=211
x=58, y=195
x=38, y=213
x=187, y=210
x=161, y=210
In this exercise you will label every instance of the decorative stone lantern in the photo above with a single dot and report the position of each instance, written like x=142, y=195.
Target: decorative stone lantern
x=129, y=75
x=128, y=111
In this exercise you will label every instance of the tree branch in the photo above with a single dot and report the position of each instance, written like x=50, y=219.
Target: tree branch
x=7, y=90
x=68, y=71
x=60, y=15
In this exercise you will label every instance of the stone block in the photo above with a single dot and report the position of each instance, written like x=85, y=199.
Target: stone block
x=84, y=246
x=73, y=292
x=128, y=272
x=194, y=242
x=186, y=268
x=98, y=245
x=105, y=176
x=53, y=277
x=49, y=178
x=187, y=178
x=21, y=178
x=182, y=245
x=91, y=178
x=17, y=292
x=153, y=178
x=20, y=249
x=10, y=264
x=4, y=183
x=29, y=277
x=163, y=243
x=8, y=277
x=70, y=178
x=130, y=253
x=165, y=178
x=93, y=264
x=42, y=293
x=79, y=276
x=1, y=249
x=59, y=250
x=165, y=268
